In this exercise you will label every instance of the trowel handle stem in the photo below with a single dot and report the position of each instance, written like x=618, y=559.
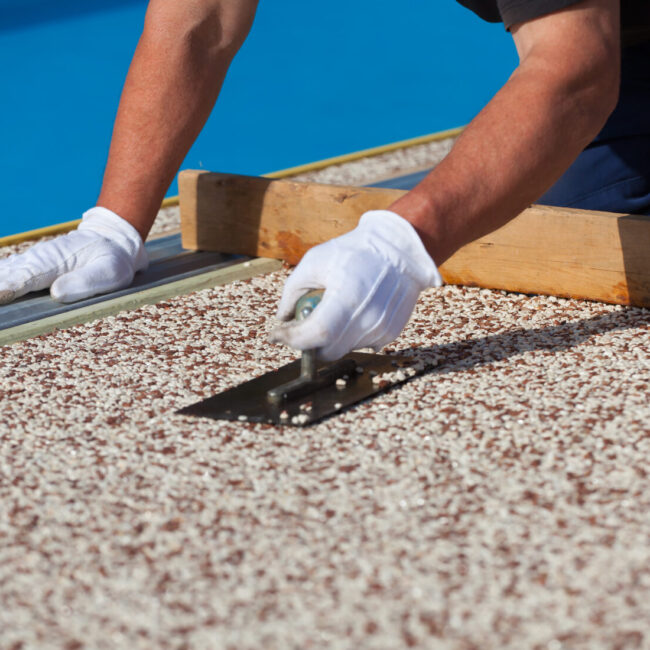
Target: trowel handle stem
x=305, y=306
x=308, y=364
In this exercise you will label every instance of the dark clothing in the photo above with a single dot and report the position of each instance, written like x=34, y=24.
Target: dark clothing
x=611, y=176
x=635, y=14
x=613, y=172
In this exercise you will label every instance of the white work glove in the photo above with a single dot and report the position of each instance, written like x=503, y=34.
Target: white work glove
x=101, y=255
x=372, y=277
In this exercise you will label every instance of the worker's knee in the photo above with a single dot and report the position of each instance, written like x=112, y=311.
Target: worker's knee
x=208, y=26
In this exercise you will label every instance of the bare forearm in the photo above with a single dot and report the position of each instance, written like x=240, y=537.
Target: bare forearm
x=512, y=152
x=171, y=87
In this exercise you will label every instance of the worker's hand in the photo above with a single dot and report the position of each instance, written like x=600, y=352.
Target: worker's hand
x=102, y=255
x=372, y=277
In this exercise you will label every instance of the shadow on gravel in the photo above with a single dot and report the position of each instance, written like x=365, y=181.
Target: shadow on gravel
x=463, y=355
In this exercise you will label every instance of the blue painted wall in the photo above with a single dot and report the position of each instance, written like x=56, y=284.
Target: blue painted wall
x=313, y=80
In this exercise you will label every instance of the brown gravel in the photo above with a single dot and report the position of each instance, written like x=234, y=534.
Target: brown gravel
x=501, y=500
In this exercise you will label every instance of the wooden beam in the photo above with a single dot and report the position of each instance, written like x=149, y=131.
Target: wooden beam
x=271, y=218
x=556, y=251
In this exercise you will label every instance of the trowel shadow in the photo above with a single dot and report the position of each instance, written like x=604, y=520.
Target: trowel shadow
x=472, y=353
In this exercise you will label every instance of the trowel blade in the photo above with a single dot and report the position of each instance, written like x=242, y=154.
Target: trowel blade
x=248, y=401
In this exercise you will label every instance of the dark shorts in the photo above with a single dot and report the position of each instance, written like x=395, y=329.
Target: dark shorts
x=613, y=172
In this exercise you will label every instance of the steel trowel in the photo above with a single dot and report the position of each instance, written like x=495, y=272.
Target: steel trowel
x=307, y=389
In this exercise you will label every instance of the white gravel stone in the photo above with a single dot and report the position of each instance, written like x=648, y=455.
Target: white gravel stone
x=500, y=499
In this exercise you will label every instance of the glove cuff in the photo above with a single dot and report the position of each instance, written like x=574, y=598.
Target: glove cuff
x=400, y=235
x=111, y=226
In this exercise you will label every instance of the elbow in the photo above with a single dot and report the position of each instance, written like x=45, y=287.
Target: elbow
x=206, y=30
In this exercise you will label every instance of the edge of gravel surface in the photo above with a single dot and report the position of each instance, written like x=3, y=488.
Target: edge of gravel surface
x=242, y=271
x=363, y=171
x=369, y=169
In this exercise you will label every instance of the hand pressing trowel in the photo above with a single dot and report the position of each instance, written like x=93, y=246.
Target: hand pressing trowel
x=306, y=390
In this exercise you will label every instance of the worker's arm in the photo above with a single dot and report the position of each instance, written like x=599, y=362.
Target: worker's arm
x=173, y=82
x=554, y=104
x=172, y=85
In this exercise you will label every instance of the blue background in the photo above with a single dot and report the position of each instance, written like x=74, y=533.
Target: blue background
x=313, y=80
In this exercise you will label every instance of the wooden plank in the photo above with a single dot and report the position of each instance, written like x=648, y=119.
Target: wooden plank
x=280, y=219
x=557, y=251
x=241, y=271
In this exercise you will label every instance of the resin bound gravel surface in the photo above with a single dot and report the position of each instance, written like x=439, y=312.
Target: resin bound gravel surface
x=499, y=500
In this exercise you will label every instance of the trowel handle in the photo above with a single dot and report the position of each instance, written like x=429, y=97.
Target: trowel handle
x=307, y=303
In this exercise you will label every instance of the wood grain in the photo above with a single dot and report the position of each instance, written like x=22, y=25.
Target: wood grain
x=557, y=251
